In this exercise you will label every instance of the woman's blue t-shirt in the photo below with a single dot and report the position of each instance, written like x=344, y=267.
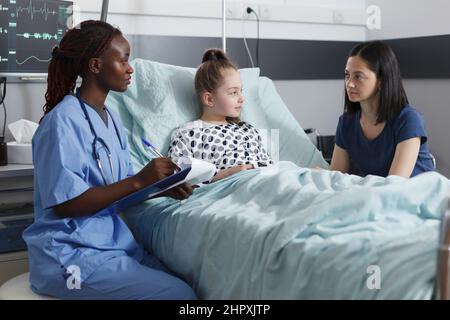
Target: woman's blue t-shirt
x=375, y=156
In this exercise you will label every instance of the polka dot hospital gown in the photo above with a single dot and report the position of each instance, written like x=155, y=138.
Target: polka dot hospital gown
x=225, y=145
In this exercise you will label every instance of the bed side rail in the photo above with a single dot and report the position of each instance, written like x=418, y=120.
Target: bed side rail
x=443, y=262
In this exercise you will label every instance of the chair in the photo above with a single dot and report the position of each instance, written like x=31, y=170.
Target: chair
x=325, y=144
x=433, y=159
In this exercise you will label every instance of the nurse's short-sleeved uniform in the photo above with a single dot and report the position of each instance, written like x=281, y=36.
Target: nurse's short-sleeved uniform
x=93, y=256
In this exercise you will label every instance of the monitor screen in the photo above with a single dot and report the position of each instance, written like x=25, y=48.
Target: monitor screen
x=29, y=29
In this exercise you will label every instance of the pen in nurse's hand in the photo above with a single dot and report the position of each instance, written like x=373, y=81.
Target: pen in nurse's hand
x=156, y=152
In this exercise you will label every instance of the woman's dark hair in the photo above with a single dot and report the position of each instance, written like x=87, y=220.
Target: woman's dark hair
x=209, y=74
x=382, y=61
x=70, y=59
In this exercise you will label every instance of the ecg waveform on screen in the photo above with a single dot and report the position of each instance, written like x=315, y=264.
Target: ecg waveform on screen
x=45, y=11
x=29, y=29
x=32, y=57
x=38, y=36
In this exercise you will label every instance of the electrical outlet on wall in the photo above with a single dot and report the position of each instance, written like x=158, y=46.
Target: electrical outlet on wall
x=243, y=10
x=233, y=11
x=338, y=16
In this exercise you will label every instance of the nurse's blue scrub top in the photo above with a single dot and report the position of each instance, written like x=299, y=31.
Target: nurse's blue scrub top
x=375, y=156
x=64, y=168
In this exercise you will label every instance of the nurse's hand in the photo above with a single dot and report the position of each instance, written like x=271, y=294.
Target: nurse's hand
x=157, y=169
x=181, y=192
x=97, y=198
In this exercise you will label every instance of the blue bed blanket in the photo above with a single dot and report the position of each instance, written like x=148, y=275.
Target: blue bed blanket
x=288, y=232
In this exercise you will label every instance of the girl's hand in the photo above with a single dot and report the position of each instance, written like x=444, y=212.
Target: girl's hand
x=230, y=171
x=243, y=167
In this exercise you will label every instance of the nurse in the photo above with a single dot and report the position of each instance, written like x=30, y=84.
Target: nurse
x=78, y=248
x=380, y=133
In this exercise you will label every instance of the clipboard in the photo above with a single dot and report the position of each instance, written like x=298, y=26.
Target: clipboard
x=193, y=171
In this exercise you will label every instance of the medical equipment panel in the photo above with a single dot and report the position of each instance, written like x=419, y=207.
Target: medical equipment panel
x=29, y=29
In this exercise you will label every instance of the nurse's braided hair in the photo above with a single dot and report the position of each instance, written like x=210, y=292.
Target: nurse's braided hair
x=209, y=74
x=70, y=59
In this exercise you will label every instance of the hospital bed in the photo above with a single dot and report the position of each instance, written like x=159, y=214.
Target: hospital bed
x=286, y=232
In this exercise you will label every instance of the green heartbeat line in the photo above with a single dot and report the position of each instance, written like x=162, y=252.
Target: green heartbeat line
x=31, y=10
x=43, y=36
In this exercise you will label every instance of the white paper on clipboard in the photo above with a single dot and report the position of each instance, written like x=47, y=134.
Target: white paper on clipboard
x=201, y=171
x=193, y=171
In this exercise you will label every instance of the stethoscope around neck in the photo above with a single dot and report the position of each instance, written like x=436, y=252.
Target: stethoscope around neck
x=97, y=139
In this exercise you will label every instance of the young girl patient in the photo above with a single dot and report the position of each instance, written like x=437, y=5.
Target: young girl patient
x=219, y=136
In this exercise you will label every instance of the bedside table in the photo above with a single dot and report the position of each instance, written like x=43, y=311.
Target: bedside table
x=16, y=213
x=12, y=264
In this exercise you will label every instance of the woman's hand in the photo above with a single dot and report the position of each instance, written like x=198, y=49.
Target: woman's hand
x=230, y=171
x=180, y=192
x=157, y=169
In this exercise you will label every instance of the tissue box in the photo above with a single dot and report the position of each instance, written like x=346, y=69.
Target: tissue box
x=19, y=153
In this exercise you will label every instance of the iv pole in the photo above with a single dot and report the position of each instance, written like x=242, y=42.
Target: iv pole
x=224, y=25
x=104, y=12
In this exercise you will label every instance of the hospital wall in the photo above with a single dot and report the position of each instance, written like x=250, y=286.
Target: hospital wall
x=314, y=102
x=308, y=100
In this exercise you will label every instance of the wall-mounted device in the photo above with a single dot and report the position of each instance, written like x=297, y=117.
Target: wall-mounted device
x=29, y=29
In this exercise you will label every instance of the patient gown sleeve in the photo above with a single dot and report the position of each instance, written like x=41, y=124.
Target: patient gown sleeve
x=179, y=146
x=59, y=158
x=264, y=158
